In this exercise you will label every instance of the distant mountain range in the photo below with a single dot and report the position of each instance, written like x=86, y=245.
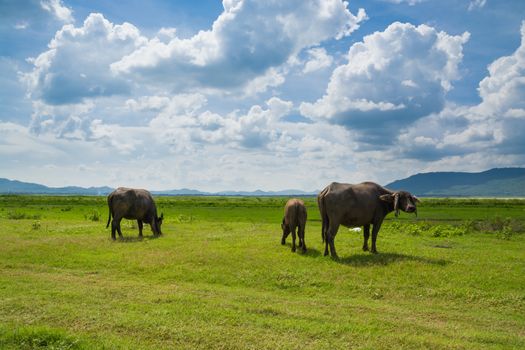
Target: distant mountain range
x=17, y=187
x=499, y=182
x=189, y=192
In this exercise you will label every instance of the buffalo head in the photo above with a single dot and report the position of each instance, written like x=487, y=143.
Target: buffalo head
x=286, y=228
x=401, y=200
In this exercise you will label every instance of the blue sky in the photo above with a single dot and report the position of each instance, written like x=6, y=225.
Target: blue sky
x=258, y=94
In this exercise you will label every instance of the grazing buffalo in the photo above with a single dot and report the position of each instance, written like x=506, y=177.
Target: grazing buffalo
x=294, y=217
x=133, y=204
x=363, y=204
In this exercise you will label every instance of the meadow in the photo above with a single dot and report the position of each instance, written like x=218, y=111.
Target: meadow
x=218, y=278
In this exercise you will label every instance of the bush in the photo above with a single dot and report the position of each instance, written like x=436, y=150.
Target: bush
x=185, y=219
x=504, y=228
x=447, y=231
x=94, y=216
x=21, y=216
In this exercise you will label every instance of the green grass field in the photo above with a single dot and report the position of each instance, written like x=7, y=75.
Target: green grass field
x=454, y=278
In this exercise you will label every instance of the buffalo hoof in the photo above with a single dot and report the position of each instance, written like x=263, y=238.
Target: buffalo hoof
x=283, y=242
x=374, y=251
x=365, y=248
x=293, y=249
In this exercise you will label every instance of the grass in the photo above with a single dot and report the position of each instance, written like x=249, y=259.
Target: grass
x=454, y=278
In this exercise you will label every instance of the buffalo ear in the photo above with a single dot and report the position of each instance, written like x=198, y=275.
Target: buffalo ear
x=162, y=215
x=387, y=197
x=416, y=199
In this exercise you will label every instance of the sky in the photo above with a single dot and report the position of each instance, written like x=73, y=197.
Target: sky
x=248, y=94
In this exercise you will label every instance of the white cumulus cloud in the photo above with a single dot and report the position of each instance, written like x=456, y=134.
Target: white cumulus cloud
x=248, y=39
x=57, y=9
x=318, y=58
x=391, y=79
x=246, y=49
x=492, y=129
x=76, y=66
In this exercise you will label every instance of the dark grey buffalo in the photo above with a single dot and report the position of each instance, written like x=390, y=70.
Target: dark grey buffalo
x=294, y=218
x=133, y=204
x=358, y=205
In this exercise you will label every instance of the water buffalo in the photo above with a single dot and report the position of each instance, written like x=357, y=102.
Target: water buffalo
x=133, y=204
x=363, y=204
x=294, y=217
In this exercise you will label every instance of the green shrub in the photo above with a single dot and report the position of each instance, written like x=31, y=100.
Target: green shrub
x=447, y=231
x=93, y=216
x=506, y=233
x=503, y=227
x=499, y=225
x=185, y=219
x=15, y=215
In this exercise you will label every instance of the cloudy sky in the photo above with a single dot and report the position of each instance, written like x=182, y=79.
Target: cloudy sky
x=248, y=94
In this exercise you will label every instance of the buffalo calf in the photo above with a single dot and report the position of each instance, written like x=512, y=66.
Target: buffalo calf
x=294, y=218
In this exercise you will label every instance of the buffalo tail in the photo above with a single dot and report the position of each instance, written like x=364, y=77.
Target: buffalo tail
x=109, y=215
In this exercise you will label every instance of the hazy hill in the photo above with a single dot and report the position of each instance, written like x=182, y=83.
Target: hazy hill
x=19, y=187
x=498, y=182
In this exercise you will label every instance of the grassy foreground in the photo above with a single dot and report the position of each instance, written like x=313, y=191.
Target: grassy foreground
x=454, y=278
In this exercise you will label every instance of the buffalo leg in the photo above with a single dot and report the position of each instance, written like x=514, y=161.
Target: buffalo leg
x=330, y=237
x=113, y=230
x=302, y=244
x=366, y=234
x=115, y=226
x=292, y=230
x=300, y=237
x=119, y=229
x=325, y=239
x=141, y=225
x=375, y=231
